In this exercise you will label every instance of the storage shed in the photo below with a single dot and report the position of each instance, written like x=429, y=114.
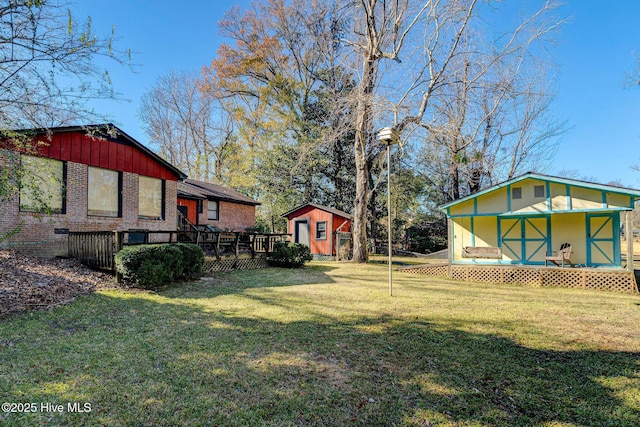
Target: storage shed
x=318, y=226
x=523, y=220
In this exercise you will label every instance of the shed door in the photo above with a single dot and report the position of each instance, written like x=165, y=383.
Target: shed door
x=524, y=240
x=301, y=232
x=603, y=248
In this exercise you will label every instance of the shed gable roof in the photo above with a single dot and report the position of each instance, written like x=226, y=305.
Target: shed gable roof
x=321, y=207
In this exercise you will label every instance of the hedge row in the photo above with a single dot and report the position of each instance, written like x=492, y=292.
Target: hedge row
x=150, y=266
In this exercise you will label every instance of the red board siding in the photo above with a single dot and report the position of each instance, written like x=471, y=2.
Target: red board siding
x=65, y=147
x=128, y=158
x=113, y=156
x=80, y=148
x=343, y=224
x=54, y=147
x=86, y=148
x=76, y=149
x=315, y=215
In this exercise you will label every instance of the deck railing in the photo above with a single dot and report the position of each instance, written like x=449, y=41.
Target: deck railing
x=97, y=249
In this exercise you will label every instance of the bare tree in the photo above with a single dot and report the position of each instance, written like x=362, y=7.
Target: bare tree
x=414, y=64
x=453, y=87
x=284, y=75
x=381, y=34
x=47, y=65
x=192, y=129
x=48, y=73
x=492, y=117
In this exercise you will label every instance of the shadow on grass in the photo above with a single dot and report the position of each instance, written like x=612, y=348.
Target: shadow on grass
x=149, y=360
x=228, y=283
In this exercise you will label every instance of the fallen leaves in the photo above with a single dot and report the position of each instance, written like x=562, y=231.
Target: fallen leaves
x=30, y=283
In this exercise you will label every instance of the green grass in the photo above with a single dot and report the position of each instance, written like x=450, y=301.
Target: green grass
x=326, y=345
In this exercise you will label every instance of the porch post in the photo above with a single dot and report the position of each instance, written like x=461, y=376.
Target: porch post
x=628, y=234
x=450, y=248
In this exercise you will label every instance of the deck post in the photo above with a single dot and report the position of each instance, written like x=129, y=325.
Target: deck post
x=450, y=248
x=218, y=246
x=119, y=243
x=628, y=234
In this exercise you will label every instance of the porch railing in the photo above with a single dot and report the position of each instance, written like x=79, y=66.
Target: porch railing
x=97, y=249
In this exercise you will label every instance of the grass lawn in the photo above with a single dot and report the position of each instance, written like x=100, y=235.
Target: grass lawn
x=326, y=345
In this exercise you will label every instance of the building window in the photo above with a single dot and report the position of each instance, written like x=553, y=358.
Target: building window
x=150, y=198
x=321, y=230
x=538, y=190
x=103, y=192
x=42, y=186
x=516, y=193
x=212, y=210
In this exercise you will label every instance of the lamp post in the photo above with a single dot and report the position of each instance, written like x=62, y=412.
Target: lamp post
x=389, y=136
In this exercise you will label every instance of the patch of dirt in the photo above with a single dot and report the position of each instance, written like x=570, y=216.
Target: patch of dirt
x=30, y=283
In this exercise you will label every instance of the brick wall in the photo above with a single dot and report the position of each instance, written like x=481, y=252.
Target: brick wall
x=38, y=235
x=232, y=216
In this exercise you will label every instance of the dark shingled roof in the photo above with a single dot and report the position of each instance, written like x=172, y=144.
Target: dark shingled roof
x=190, y=188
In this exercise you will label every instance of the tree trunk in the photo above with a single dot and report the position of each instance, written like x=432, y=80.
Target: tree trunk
x=360, y=253
x=373, y=222
x=363, y=133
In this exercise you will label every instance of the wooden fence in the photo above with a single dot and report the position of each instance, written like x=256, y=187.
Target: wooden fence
x=97, y=249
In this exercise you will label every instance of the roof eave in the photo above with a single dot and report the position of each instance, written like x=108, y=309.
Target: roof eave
x=324, y=208
x=532, y=175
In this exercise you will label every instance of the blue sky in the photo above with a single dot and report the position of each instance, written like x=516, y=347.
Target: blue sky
x=594, y=50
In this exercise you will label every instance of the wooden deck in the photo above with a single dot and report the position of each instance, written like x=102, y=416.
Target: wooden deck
x=607, y=279
x=224, y=250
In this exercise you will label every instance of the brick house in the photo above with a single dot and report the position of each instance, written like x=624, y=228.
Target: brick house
x=222, y=208
x=92, y=178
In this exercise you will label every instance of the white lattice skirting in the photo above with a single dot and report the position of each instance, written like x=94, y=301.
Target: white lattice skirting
x=213, y=266
x=581, y=278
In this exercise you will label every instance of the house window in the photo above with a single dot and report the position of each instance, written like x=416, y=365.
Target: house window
x=516, y=193
x=212, y=210
x=42, y=186
x=538, y=190
x=150, y=198
x=103, y=192
x=321, y=230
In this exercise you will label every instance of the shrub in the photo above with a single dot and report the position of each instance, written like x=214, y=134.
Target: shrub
x=427, y=234
x=149, y=266
x=193, y=260
x=290, y=255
